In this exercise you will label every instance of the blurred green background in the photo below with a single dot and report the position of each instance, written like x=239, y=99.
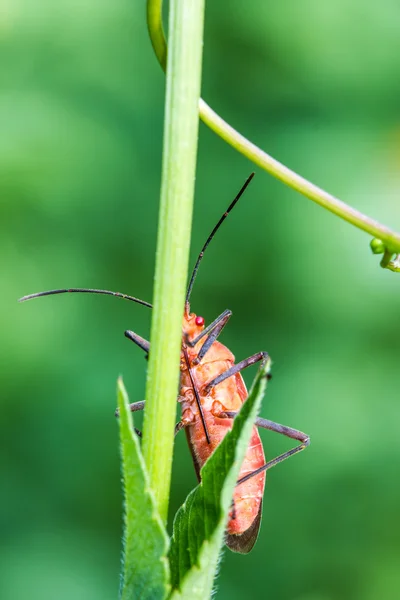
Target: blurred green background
x=317, y=85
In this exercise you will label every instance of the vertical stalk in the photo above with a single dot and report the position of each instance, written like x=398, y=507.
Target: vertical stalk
x=177, y=189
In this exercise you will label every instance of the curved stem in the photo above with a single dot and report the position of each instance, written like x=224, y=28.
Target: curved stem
x=390, y=238
x=386, y=258
x=156, y=31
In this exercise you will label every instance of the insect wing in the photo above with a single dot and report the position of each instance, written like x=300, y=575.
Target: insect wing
x=244, y=542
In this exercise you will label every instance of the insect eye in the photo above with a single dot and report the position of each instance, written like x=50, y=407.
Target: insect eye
x=199, y=321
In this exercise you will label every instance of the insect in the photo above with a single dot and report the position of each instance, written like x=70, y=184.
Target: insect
x=212, y=391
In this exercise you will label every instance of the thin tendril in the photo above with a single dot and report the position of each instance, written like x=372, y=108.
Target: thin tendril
x=390, y=238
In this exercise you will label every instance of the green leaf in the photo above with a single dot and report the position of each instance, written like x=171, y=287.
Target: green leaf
x=145, y=573
x=200, y=523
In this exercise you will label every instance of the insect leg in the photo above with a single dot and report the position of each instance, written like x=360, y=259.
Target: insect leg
x=139, y=341
x=222, y=317
x=140, y=406
x=260, y=356
x=275, y=461
x=180, y=425
x=293, y=434
x=133, y=407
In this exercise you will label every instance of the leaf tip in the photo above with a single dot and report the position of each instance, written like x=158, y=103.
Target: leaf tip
x=121, y=390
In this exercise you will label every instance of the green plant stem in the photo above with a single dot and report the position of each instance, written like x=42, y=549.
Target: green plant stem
x=175, y=217
x=390, y=238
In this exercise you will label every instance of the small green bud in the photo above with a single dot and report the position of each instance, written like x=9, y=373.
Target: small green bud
x=377, y=246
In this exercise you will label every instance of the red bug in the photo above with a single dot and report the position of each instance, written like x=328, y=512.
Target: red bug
x=212, y=391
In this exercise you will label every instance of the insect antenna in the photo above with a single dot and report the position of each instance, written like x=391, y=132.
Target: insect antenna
x=212, y=234
x=85, y=291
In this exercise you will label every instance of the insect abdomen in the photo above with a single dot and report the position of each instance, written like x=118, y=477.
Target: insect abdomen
x=228, y=395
